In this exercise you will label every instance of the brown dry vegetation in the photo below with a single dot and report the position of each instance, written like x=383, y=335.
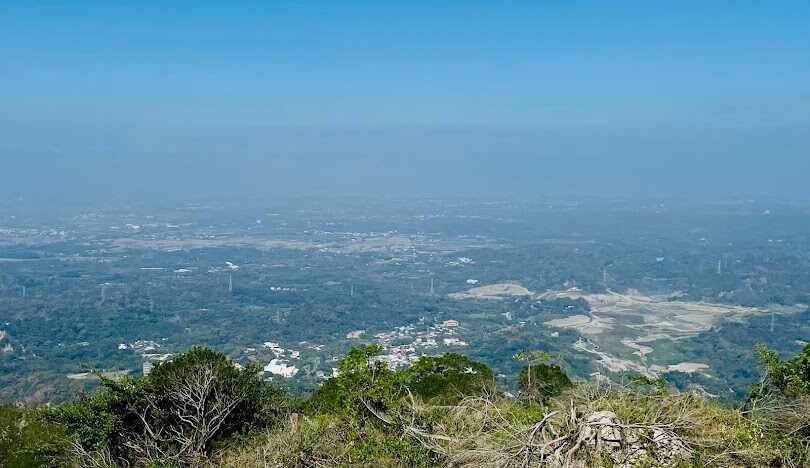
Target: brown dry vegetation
x=590, y=425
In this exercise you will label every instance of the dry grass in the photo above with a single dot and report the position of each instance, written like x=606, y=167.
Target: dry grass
x=649, y=430
x=323, y=442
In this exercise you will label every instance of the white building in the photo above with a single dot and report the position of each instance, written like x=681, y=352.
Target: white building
x=454, y=342
x=279, y=368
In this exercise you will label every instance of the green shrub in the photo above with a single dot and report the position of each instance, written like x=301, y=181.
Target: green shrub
x=364, y=385
x=26, y=440
x=176, y=414
x=448, y=378
x=543, y=381
x=790, y=378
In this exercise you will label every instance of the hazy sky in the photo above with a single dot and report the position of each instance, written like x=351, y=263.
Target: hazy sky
x=125, y=99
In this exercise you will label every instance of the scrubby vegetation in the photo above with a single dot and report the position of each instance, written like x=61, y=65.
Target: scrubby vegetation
x=202, y=410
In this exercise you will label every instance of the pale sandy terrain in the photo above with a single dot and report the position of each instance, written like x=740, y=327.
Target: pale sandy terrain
x=641, y=350
x=190, y=244
x=637, y=321
x=587, y=325
x=493, y=291
x=687, y=367
x=378, y=244
x=114, y=375
x=613, y=363
x=659, y=317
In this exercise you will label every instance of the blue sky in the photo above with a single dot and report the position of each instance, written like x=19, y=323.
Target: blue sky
x=622, y=85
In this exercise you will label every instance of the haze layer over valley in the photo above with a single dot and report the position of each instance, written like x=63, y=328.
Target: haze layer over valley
x=615, y=288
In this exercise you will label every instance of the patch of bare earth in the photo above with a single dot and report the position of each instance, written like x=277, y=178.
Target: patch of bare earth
x=493, y=292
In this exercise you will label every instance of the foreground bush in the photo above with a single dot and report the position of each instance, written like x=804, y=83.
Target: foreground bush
x=174, y=416
x=366, y=384
x=449, y=378
x=543, y=381
x=26, y=440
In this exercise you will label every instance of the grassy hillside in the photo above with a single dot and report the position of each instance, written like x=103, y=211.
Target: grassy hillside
x=200, y=410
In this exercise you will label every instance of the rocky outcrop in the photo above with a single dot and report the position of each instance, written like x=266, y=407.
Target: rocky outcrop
x=603, y=434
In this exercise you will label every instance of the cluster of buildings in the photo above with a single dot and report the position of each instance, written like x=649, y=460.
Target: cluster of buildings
x=277, y=366
x=403, y=346
x=322, y=375
x=149, y=351
x=454, y=342
x=316, y=347
x=406, y=344
x=460, y=261
x=229, y=267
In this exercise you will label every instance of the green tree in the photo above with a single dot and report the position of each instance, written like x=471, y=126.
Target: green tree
x=540, y=378
x=26, y=440
x=787, y=378
x=448, y=378
x=176, y=414
x=364, y=385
